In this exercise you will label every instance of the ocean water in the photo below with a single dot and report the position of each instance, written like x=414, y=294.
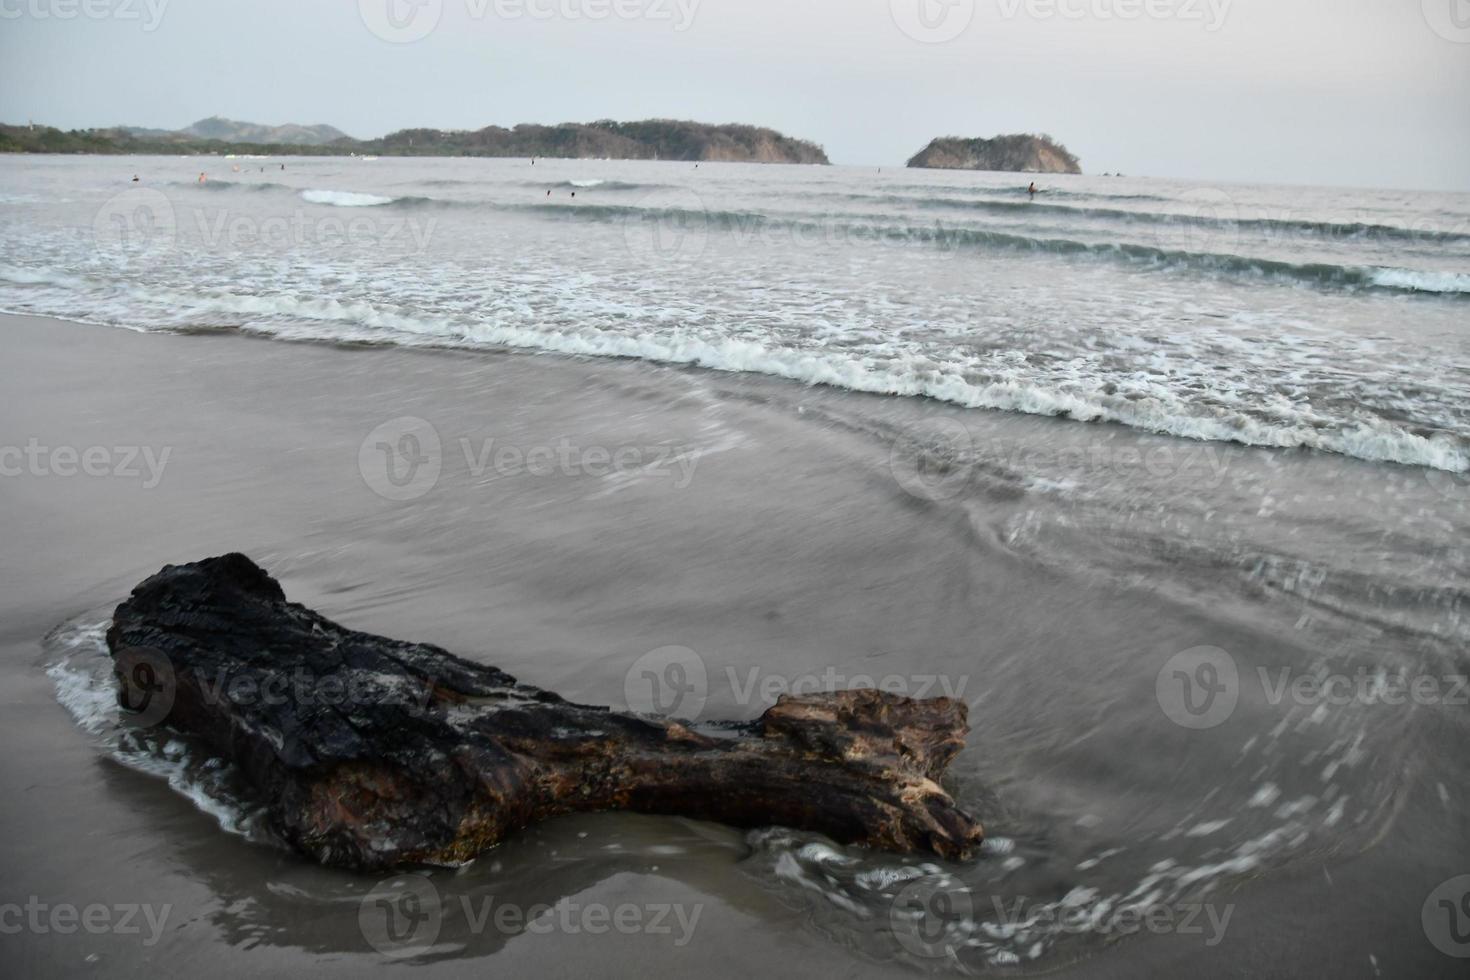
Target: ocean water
x=1269, y=316
x=1047, y=456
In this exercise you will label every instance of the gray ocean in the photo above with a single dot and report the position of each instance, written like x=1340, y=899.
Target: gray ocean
x=1271, y=316
x=1169, y=481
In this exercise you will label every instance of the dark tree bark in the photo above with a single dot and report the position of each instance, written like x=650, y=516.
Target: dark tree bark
x=371, y=753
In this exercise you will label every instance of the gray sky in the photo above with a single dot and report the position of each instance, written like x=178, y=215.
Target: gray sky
x=1356, y=92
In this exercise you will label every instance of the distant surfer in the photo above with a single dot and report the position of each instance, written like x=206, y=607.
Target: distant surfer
x=1032, y=189
x=203, y=178
x=135, y=178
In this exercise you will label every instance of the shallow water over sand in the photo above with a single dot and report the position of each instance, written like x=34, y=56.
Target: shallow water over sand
x=1048, y=572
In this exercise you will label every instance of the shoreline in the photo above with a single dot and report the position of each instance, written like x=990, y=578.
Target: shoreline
x=1107, y=420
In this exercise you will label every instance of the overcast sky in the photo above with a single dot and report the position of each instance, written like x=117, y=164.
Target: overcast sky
x=1355, y=92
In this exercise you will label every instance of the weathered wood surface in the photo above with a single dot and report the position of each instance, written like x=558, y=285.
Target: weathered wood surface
x=372, y=753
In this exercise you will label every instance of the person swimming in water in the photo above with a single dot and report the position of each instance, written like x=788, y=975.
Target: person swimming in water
x=135, y=178
x=1032, y=189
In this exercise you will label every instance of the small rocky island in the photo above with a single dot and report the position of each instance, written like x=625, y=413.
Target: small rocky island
x=1017, y=153
x=370, y=753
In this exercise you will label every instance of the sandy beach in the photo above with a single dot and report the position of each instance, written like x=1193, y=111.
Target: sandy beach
x=564, y=568
x=664, y=489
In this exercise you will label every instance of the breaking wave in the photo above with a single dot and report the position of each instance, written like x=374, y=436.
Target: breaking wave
x=1164, y=411
x=347, y=199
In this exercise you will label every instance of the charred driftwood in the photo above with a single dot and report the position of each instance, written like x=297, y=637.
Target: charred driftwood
x=371, y=753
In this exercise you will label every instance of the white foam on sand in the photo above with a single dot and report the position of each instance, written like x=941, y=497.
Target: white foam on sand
x=1154, y=404
x=84, y=687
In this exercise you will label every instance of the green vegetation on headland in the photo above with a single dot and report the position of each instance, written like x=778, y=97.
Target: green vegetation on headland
x=1018, y=153
x=657, y=139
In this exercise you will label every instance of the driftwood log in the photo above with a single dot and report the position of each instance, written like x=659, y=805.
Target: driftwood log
x=371, y=753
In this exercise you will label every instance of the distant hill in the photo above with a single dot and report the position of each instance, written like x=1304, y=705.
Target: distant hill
x=657, y=139
x=230, y=131
x=1019, y=153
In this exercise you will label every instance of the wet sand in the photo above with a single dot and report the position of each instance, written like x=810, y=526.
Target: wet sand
x=788, y=548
